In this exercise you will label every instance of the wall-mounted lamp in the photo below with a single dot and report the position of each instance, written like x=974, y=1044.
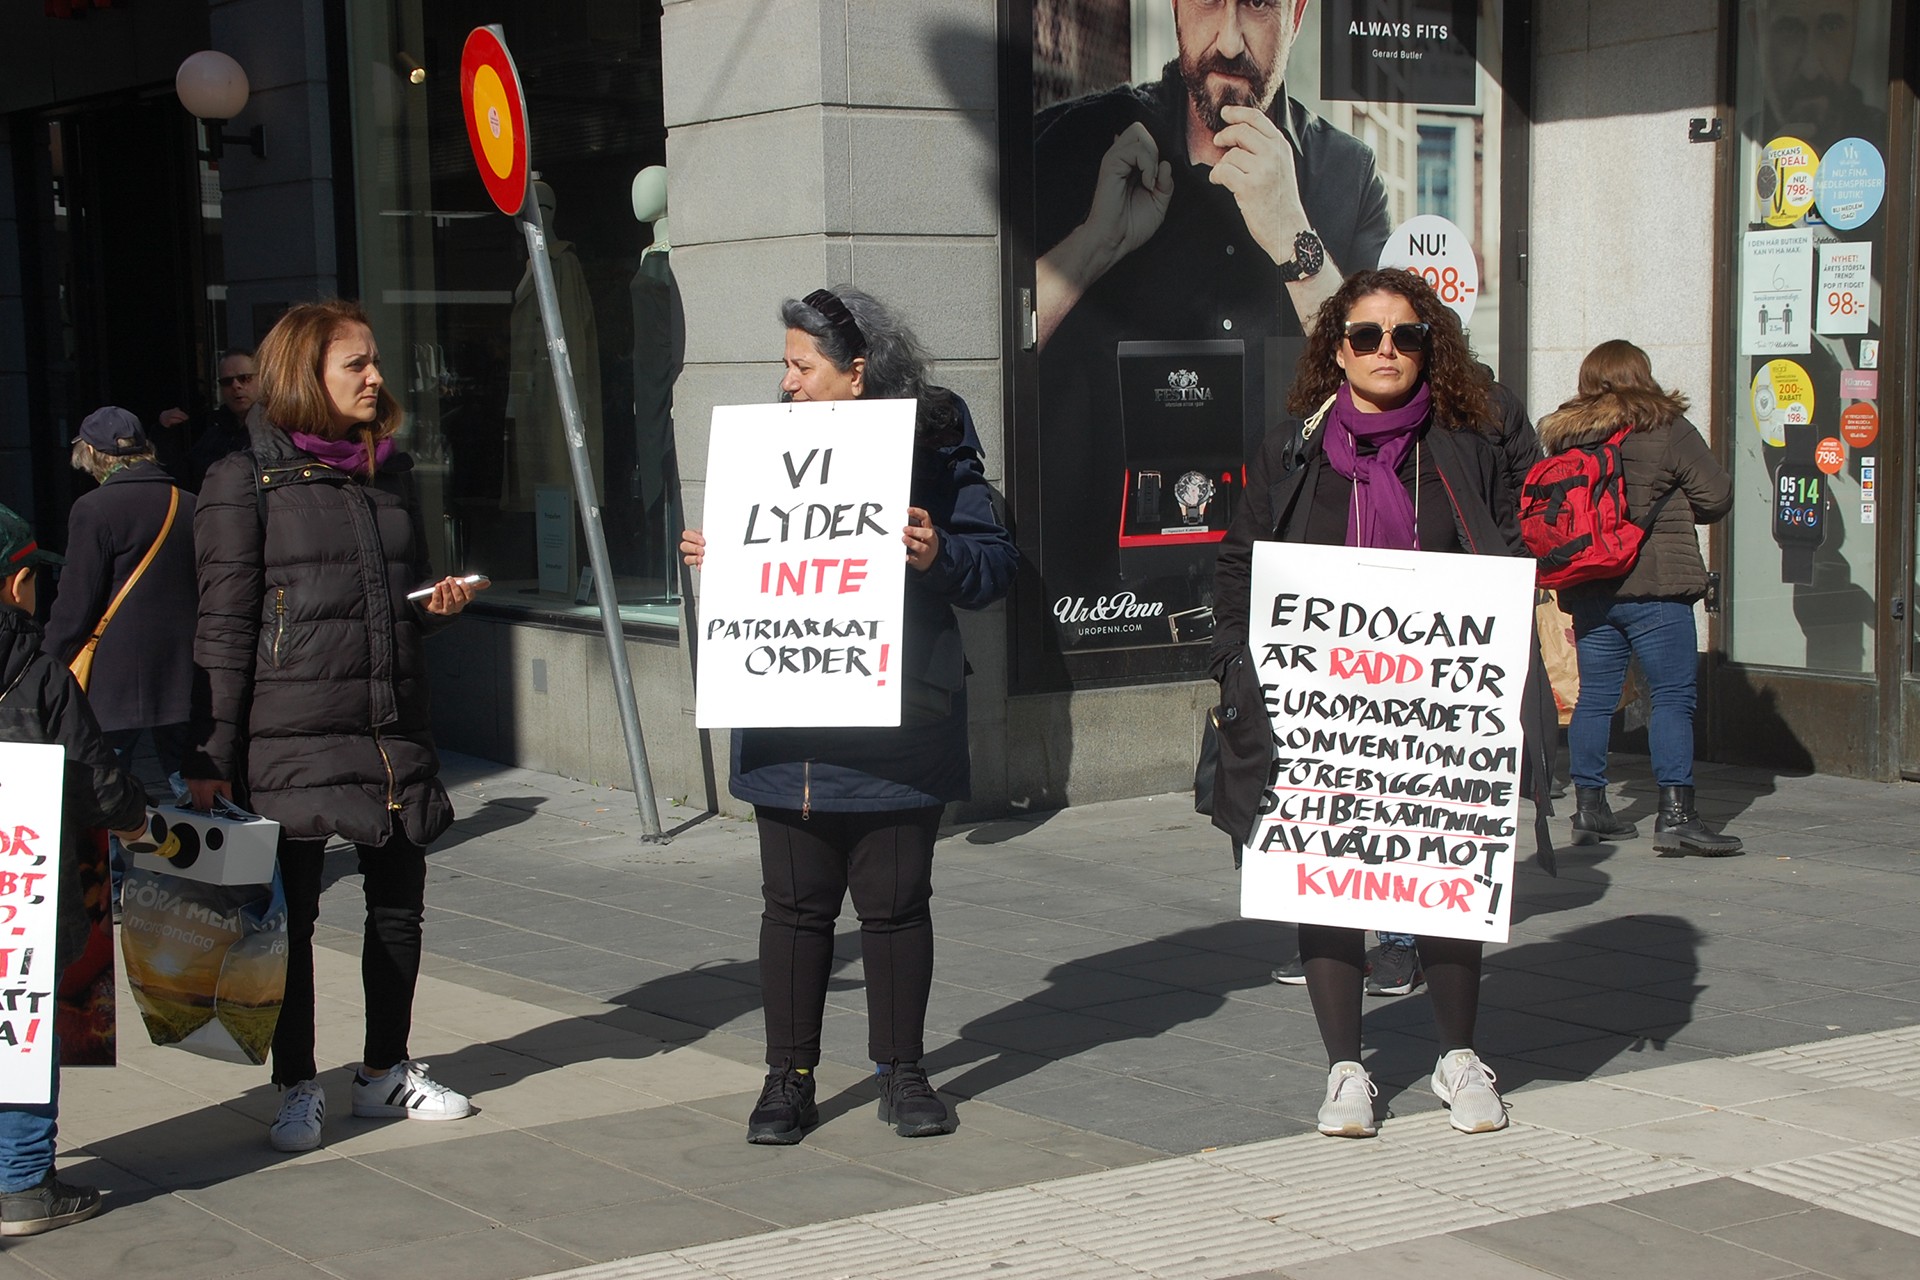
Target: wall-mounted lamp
x=214, y=88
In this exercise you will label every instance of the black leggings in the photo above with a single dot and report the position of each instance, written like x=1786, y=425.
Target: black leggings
x=807, y=867
x=1336, y=965
x=396, y=888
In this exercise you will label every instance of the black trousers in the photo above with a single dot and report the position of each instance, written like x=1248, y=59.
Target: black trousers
x=807, y=868
x=396, y=889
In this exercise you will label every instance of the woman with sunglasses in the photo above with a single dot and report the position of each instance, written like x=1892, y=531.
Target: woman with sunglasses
x=858, y=810
x=1389, y=445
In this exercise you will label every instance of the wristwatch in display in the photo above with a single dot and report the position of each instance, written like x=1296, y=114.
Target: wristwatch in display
x=1146, y=501
x=1799, y=505
x=1309, y=255
x=1193, y=492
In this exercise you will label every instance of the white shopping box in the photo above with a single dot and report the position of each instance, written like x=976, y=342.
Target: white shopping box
x=230, y=846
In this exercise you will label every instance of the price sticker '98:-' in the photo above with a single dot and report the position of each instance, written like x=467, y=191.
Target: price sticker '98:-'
x=1844, y=290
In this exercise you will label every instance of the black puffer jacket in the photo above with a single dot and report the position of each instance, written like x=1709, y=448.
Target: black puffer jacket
x=39, y=702
x=315, y=688
x=143, y=669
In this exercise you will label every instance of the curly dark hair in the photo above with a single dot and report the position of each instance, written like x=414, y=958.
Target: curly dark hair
x=1461, y=384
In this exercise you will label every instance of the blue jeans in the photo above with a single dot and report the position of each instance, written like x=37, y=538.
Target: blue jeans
x=26, y=1137
x=1660, y=634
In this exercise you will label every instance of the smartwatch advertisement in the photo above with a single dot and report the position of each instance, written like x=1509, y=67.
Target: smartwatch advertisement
x=1799, y=507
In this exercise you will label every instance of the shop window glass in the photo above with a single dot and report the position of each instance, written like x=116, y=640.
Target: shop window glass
x=1159, y=375
x=1809, y=248
x=446, y=279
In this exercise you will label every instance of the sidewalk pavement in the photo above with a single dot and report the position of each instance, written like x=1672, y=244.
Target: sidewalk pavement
x=1713, y=1068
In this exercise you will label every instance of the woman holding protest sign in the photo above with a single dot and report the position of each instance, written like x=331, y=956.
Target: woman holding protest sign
x=1388, y=445
x=858, y=809
x=313, y=708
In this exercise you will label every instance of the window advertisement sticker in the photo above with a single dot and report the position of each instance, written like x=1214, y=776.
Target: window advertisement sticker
x=1851, y=183
x=1869, y=353
x=1860, y=426
x=1845, y=289
x=1432, y=247
x=1784, y=181
x=1782, y=394
x=1776, y=312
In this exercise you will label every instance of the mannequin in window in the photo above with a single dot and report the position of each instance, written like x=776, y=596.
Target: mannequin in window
x=659, y=350
x=539, y=453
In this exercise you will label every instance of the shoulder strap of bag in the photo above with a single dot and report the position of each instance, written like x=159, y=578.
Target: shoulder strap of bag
x=120, y=597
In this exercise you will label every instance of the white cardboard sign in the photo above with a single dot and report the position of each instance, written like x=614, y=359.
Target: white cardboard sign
x=31, y=779
x=1393, y=680
x=802, y=592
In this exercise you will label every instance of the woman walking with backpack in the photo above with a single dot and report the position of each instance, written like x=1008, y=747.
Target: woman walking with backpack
x=1648, y=613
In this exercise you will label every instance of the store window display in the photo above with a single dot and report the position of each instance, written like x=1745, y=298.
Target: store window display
x=1809, y=252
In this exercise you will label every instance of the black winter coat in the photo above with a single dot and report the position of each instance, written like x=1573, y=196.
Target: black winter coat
x=40, y=702
x=315, y=693
x=143, y=669
x=922, y=762
x=1280, y=485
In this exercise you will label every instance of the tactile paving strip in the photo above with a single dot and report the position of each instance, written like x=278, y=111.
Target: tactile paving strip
x=1265, y=1205
x=1880, y=1183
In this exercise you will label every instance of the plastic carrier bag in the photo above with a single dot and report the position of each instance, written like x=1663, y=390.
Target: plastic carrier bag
x=207, y=962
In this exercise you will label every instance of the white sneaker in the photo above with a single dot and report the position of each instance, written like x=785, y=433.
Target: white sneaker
x=303, y=1109
x=1465, y=1084
x=1348, y=1110
x=407, y=1090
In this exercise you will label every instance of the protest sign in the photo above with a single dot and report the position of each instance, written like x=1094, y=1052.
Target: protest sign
x=30, y=789
x=1393, y=681
x=802, y=592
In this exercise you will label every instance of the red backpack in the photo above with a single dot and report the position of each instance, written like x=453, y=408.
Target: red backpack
x=1573, y=514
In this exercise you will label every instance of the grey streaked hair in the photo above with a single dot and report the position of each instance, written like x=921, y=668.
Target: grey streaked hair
x=101, y=465
x=896, y=362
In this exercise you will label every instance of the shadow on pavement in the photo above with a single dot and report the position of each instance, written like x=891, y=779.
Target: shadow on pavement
x=1135, y=992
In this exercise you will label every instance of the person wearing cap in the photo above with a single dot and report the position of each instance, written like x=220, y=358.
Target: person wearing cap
x=40, y=703
x=142, y=675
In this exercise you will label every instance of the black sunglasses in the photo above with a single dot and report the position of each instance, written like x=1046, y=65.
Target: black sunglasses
x=1364, y=336
x=235, y=380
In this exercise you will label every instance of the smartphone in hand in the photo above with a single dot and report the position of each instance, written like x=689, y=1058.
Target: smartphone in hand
x=480, y=580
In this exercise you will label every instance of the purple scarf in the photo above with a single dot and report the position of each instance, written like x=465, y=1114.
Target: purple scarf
x=1382, y=512
x=349, y=454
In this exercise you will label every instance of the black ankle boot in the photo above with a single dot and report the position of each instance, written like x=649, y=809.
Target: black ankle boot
x=1678, y=829
x=1593, y=819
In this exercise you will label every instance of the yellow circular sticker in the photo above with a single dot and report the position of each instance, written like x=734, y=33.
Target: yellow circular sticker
x=1782, y=394
x=495, y=118
x=1783, y=184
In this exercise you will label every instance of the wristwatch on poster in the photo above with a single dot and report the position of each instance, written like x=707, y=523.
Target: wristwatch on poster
x=1145, y=511
x=1309, y=255
x=1193, y=492
x=1799, y=505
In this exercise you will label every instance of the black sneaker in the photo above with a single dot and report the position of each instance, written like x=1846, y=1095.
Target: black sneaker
x=47, y=1207
x=785, y=1111
x=1393, y=969
x=909, y=1104
x=1293, y=973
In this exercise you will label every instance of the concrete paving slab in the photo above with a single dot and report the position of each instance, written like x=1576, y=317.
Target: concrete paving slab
x=1605, y=1242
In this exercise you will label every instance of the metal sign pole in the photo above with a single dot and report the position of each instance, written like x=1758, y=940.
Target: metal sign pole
x=562, y=365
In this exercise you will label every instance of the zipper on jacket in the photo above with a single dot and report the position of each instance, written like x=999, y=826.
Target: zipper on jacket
x=393, y=806
x=806, y=790
x=279, y=621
